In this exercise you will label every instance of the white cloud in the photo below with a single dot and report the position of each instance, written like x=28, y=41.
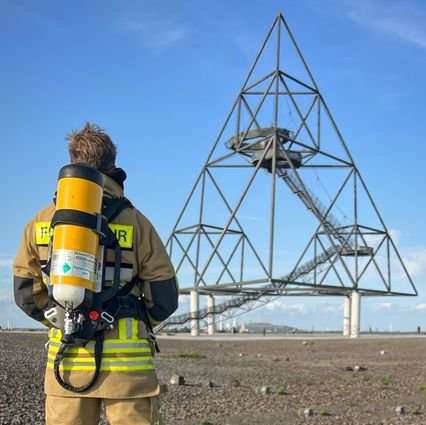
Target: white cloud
x=184, y=299
x=332, y=308
x=400, y=20
x=6, y=262
x=421, y=307
x=395, y=235
x=382, y=306
x=415, y=260
x=278, y=305
x=5, y=298
x=157, y=33
x=299, y=308
x=273, y=305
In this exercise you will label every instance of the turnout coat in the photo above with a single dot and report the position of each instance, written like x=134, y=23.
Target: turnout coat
x=127, y=368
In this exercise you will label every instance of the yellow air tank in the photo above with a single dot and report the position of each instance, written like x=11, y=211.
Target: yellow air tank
x=75, y=246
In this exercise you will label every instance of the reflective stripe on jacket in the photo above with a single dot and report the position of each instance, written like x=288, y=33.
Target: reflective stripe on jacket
x=127, y=353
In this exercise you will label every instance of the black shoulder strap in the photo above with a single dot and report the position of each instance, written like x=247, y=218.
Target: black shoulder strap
x=112, y=207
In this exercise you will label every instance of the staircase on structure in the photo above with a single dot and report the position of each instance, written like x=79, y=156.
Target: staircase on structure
x=255, y=151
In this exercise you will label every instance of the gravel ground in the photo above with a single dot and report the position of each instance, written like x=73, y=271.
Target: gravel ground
x=343, y=381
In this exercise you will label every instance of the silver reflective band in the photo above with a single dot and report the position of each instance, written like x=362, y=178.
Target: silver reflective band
x=105, y=362
x=128, y=328
x=91, y=345
x=125, y=274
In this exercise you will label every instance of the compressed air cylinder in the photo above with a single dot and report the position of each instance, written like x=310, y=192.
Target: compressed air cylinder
x=75, y=247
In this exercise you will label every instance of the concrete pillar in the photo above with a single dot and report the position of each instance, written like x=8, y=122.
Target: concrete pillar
x=195, y=306
x=355, y=314
x=211, y=318
x=347, y=316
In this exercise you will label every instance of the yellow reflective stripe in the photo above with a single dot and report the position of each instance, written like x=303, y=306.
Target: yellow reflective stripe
x=123, y=364
x=126, y=350
x=123, y=233
x=122, y=330
x=55, y=334
x=128, y=329
x=43, y=232
x=105, y=368
x=132, y=361
x=142, y=346
x=145, y=359
x=127, y=368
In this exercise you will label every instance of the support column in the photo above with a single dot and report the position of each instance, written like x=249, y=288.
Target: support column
x=211, y=318
x=195, y=306
x=355, y=314
x=347, y=316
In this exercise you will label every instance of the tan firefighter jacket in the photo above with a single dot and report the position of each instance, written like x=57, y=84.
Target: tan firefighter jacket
x=127, y=369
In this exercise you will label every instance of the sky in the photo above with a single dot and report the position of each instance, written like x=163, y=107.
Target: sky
x=161, y=77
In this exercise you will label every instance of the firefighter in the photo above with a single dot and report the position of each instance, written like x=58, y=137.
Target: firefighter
x=127, y=384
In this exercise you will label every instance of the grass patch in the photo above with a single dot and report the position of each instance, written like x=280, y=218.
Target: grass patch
x=421, y=387
x=415, y=411
x=325, y=413
x=384, y=383
x=204, y=422
x=190, y=355
x=281, y=391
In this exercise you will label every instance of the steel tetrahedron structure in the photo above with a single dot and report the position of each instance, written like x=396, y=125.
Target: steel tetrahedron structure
x=280, y=207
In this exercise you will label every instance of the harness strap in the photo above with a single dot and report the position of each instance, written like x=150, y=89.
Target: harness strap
x=112, y=207
x=93, y=222
x=112, y=242
x=127, y=305
x=120, y=300
x=151, y=332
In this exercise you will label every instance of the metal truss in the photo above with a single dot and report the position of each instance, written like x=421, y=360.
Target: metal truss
x=278, y=140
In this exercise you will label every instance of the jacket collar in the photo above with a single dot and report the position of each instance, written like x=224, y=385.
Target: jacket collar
x=114, y=182
x=118, y=175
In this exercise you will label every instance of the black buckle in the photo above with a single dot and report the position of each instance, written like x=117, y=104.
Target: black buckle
x=151, y=337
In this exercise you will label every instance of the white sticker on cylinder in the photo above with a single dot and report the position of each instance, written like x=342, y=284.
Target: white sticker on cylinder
x=67, y=262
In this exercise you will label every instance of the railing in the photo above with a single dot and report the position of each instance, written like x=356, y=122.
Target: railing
x=311, y=201
x=239, y=301
x=201, y=314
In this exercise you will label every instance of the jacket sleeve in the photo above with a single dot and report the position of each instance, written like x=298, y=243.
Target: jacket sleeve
x=29, y=290
x=160, y=285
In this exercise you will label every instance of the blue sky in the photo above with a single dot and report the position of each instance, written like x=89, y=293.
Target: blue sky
x=160, y=77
